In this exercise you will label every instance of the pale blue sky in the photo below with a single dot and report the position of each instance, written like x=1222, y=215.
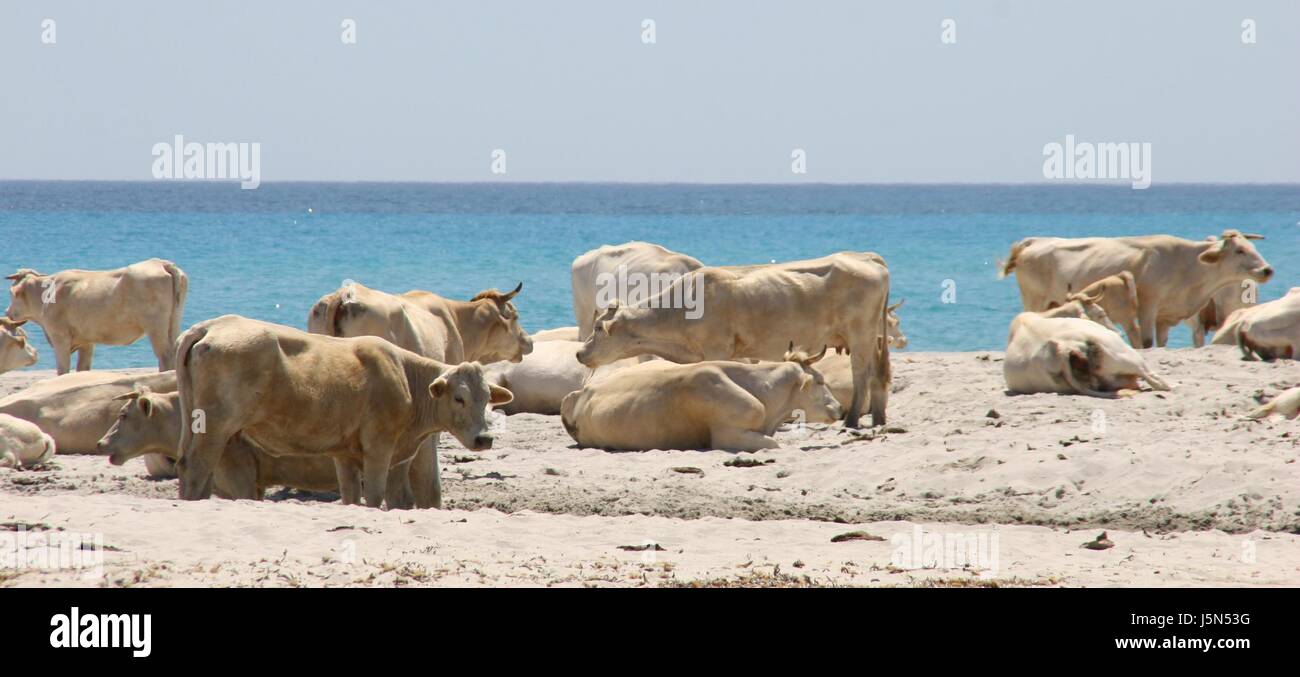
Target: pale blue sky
x=570, y=92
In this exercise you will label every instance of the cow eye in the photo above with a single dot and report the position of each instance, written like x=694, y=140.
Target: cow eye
x=460, y=400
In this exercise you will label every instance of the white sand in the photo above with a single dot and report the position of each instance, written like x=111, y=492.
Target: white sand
x=1189, y=492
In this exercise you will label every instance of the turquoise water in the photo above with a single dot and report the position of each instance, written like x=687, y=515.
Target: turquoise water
x=270, y=253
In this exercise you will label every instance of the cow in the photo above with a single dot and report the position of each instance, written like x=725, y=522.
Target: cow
x=1071, y=355
x=1175, y=277
x=363, y=401
x=1214, y=315
x=548, y=373
x=557, y=334
x=16, y=351
x=81, y=308
x=718, y=404
x=23, y=444
x=76, y=409
x=839, y=300
x=1117, y=296
x=639, y=268
x=484, y=329
x=1269, y=330
x=1286, y=404
x=150, y=423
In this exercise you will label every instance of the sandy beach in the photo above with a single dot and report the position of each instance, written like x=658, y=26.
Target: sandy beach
x=1188, y=492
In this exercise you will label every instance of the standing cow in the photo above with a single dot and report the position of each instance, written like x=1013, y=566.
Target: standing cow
x=1175, y=277
x=839, y=300
x=364, y=402
x=81, y=308
x=484, y=329
x=633, y=267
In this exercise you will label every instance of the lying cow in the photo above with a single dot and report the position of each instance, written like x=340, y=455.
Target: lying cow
x=81, y=308
x=705, y=405
x=1073, y=356
x=150, y=423
x=636, y=267
x=546, y=375
x=15, y=350
x=1269, y=330
x=484, y=329
x=753, y=312
x=363, y=401
x=23, y=444
x=1286, y=404
x=1174, y=277
x=76, y=409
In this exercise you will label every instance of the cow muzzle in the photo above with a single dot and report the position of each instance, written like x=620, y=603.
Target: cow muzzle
x=1264, y=274
x=482, y=442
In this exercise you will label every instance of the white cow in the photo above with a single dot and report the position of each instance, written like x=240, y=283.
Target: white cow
x=1269, y=330
x=81, y=308
x=557, y=334
x=1071, y=355
x=548, y=373
x=1286, y=404
x=641, y=268
x=23, y=443
x=704, y=405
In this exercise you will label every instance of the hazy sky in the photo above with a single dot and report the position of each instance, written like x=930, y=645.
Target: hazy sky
x=731, y=87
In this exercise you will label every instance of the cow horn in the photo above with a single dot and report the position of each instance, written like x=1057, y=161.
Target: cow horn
x=896, y=306
x=791, y=348
x=818, y=356
x=11, y=324
x=1252, y=236
x=517, y=289
x=128, y=396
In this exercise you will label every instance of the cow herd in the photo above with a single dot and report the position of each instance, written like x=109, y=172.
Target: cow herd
x=683, y=356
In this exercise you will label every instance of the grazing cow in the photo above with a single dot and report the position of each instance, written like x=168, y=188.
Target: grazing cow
x=1214, y=315
x=548, y=373
x=81, y=308
x=484, y=329
x=1175, y=277
x=23, y=443
x=150, y=423
x=1073, y=356
x=76, y=409
x=643, y=268
x=363, y=401
x=1269, y=330
x=1117, y=296
x=1286, y=404
x=15, y=351
x=705, y=405
x=557, y=334
x=838, y=300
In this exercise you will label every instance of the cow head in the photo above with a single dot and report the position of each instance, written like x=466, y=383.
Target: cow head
x=505, y=339
x=617, y=334
x=25, y=295
x=1236, y=258
x=462, y=396
x=1086, y=308
x=15, y=350
x=145, y=424
x=813, y=397
x=893, y=327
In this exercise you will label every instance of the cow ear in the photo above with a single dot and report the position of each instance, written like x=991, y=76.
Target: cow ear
x=146, y=405
x=438, y=388
x=605, y=326
x=499, y=395
x=1213, y=254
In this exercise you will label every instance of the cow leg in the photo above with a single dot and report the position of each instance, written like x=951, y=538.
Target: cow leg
x=425, y=475
x=399, y=495
x=858, y=359
x=880, y=376
x=1134, y=334
x=235, y=476
x=376, y=459
x=1198, y=334
x=1162, y=334
x=62, y=352
x=731, y=438
x=1147, y=322
x=85, y=354
x=198, y=461
x=162, y=348
x=349, y=480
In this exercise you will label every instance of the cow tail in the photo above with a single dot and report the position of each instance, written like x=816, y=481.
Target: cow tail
x=1005, y=268
x=332, y=315
x=49, y=450
x=184, y=381
x=1247, y=352
x=180, y=289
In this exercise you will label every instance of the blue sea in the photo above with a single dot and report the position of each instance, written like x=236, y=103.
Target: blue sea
x=270, y=253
